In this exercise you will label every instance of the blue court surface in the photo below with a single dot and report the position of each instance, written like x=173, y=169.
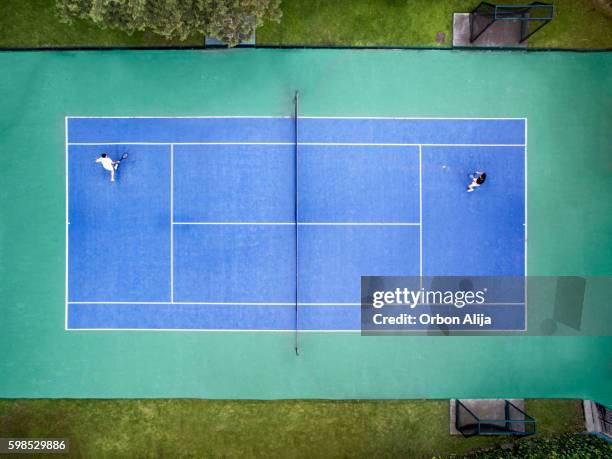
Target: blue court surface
x=201, y=228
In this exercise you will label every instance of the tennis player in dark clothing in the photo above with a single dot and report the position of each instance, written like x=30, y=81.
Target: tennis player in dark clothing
x=478, y=178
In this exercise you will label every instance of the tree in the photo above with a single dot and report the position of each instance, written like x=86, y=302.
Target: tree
x=228, y=20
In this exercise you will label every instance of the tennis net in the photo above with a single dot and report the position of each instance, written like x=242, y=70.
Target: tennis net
x=296, y=204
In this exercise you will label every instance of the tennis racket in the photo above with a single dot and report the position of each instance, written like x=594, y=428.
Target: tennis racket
x=123, y=156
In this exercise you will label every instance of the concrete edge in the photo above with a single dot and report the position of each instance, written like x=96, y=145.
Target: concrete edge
x=591, y=417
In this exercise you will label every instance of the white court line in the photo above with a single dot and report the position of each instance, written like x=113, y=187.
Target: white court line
x=507, y=145
x=239, y=303
x=421, y=215
x=419, y=304
x=185, y=302
x=171, y=223
x=216, y=330
x=180, y=117
x=213, y=303
x=406, y=118
x=178, y=143
x=119, y=302
x=328, y=144
x=241, y=330
x=66, y=166
x=235, y=223
x=526, y=229
x=304, y=223
x=359, y=224
x=374, y=144
x=290, y=117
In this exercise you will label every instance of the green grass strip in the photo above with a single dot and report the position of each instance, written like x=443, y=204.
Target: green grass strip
x=205, y=428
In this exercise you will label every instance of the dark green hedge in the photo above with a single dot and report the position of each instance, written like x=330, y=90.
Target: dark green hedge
x=569, y=446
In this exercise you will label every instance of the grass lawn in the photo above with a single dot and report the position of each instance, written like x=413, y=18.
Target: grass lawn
x=33, y=23
x=578, y=24
x=179, y=428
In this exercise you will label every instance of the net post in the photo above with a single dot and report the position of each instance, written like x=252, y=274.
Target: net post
x=296, y=215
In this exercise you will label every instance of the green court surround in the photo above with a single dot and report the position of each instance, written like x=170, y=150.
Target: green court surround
x=567, y=98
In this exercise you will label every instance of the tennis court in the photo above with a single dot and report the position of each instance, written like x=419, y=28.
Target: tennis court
x=234, y=225
x=199, y=231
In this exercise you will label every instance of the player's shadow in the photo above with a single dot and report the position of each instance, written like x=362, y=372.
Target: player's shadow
x=568, y=306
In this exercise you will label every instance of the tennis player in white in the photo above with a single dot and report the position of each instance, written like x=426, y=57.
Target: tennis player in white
x=108, y=164
x=478, y=178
